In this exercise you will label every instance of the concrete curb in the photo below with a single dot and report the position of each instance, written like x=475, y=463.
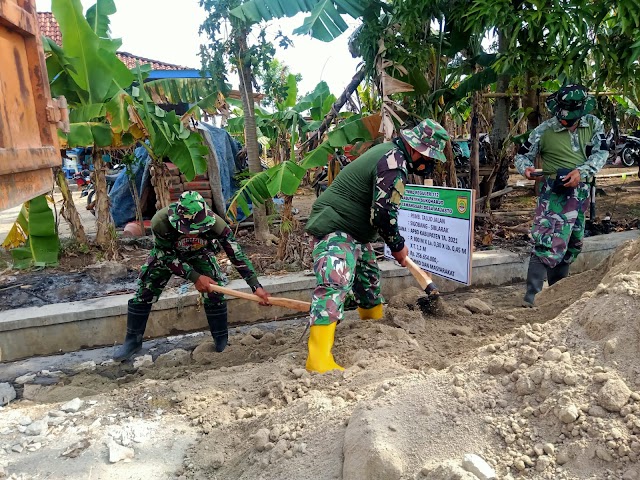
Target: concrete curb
x=66, y=327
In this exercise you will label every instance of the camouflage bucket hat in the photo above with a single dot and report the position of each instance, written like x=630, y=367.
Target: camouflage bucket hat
x=190, y=214
x=570, y=102
x=428, y=138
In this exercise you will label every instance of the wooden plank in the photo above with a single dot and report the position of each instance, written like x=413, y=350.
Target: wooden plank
x=19, y=187
x=497, y=194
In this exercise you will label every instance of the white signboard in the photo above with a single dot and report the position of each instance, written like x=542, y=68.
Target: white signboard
x=437, y=225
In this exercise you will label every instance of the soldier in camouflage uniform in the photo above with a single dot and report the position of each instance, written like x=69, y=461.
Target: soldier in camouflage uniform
x=187, y=234
x=360, y=206
x=573, y=147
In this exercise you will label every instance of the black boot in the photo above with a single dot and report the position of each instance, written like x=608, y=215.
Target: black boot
x=137, y=316
x=535, y=279
x=217, y=319
x=558, y=272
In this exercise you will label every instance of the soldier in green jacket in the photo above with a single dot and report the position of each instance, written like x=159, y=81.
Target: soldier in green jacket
x=187, y=234
x=573, y=147
x=358, y=207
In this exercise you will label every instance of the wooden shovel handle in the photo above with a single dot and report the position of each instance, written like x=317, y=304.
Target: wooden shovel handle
x=298, y=305
x=420, y=275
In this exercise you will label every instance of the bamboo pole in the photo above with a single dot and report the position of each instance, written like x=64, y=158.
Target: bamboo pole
x=543, y=94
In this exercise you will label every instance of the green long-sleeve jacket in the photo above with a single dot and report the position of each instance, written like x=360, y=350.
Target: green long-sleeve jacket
x=174, y=248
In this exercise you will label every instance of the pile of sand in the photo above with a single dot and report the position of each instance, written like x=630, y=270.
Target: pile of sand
x=548, y=393
x=554, y=400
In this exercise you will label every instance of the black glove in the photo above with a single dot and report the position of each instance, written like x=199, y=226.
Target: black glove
x=558, y=186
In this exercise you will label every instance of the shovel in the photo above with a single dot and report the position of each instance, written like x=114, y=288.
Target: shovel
x=432, y=303
x=298, y=305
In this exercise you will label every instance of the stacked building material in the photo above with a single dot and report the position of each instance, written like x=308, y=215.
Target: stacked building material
x=178, y=183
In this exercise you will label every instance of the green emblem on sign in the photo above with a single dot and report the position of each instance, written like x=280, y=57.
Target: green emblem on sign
x=462, y=203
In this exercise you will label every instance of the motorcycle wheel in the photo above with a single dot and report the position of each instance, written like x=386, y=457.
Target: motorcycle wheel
x=629, y=156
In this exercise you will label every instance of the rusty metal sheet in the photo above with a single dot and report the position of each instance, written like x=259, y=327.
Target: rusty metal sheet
x=17, y=188
x=28, y=139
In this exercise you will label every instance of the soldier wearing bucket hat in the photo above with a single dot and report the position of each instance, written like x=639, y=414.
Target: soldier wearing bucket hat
x=358, y=207
x=187, y=237
x=573, y=148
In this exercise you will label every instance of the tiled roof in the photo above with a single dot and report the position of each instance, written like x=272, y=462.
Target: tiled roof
x=49, y=28
x=129, y=59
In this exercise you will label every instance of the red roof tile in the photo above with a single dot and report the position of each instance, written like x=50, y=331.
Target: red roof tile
x=49, y=28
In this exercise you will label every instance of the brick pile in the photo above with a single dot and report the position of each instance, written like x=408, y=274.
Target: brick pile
x=178, y=184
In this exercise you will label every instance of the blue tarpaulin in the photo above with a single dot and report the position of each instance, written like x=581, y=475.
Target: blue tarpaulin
x=123, y=208
x=227, y=149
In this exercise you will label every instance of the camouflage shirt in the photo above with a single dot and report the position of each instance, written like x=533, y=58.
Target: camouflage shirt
x=591, y=154
x=391, y=178
x=175, y=249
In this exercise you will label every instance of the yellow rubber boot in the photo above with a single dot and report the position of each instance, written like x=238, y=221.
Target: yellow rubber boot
x=320, y=358
x=374, y=313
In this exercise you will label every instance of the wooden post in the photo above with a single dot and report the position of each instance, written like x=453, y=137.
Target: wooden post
x=474, y=154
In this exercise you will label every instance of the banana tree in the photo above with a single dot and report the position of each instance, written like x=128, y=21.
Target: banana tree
x=107, y=109
x=285, y=178
x=324, y=22
x=283, y=129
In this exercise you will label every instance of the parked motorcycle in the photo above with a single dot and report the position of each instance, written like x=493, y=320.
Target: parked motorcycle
x=461, y=157
x=627, y=149
x=83, y=180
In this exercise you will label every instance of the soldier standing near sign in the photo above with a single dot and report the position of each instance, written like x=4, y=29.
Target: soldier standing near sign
x=361, y=204
x=573, y=147
x=187, y=234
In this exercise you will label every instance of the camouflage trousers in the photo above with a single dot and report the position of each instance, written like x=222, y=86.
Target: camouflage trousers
x=558, y=226
x=342, y=264
x=154, y=276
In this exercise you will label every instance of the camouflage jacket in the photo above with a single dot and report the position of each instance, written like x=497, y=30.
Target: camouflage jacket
x=593, y=153
x=175, y=249
x=391, y=178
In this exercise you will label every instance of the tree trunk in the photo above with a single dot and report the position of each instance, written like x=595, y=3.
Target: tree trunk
x=500, y=130
x=531, y=100
x=261, y=227
x=105, y=235
x=286, y=226
x=69, y=211
x=133, y=188
x=474, y=155
x=161, y=186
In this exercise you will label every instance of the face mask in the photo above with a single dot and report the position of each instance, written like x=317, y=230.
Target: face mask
x=423, y=166
x=568, y=123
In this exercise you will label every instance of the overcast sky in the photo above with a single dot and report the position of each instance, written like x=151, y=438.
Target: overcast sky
x=167, y=30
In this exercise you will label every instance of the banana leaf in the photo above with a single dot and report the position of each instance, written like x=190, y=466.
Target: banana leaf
x=324, y=22
x=42, y=247
x=349, y=132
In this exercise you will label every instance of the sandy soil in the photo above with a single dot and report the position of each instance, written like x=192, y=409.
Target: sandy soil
x=417, y=394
